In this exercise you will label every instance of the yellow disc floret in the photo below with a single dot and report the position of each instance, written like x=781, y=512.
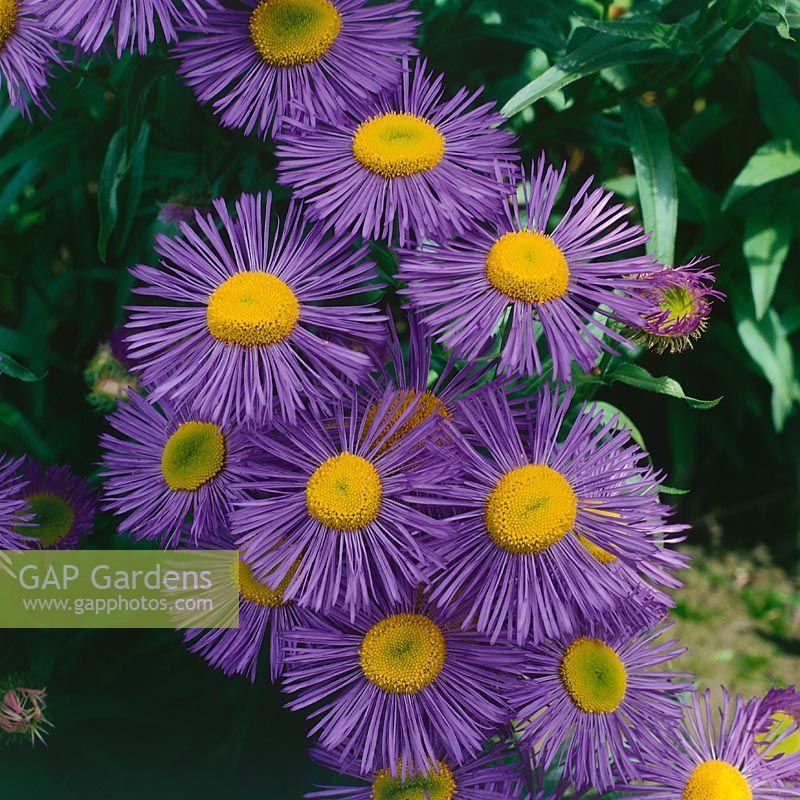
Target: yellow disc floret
x=287, y=33
x=438, y=784
x=9, y=13
x=600, y=555
x=251, y=309
x=593, y=675
x=716, y=780
x=53, y=518
x=403, y=653
x=396, y=145
x=530, y=509
x=259, y=593
x=193, y=455
x=344, y=492
x=527, y=266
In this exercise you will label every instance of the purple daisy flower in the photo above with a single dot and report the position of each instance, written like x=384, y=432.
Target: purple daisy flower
x=400, y=687
x=592, y=696
x=259, y=319
x=167, y=465
x=713, y=760
x=14, y=512
x=61, y=504
x=135, y=22
x=490, y=776
x=264, y=60
x=679, y=305
x=508, y=276
x=344, y=496
x=27, y=53
x=408, y=162
x=238, y=651
x=530, y=509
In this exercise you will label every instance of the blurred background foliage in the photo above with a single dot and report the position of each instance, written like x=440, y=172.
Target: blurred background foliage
x=688, y=109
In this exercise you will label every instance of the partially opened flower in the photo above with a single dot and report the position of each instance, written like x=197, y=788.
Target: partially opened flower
x=345, y=496
x=713, y=759
x=408, y=163
x=22, y=713
x=435, y=384
x=107, y=375
x=60, y=503
x=265, y=60
x=262, y=611
x=494, y=775
x=135, y=23
x=530, y=507
x=261, y=318
x=517, y=276
x=400, y=687
x=27, y=53
x=590, y=698
x=779, y=727
x=15, y=515
x=679, y=305
x=166, y=468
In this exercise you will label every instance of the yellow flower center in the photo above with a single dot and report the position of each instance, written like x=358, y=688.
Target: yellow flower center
x=527, y=266
x=403, y=653
x=53, y=518
x=9, y=12
x=252, y=309
x=603, y=556
x=530, y=509
x=716, y=780
x=287, y=33
x=426, y=404
x=344, y=493
x=193, y=455
x=678, y=302
x=437, y=785
x=259, y=593
x=397, y=145
x=593, y=675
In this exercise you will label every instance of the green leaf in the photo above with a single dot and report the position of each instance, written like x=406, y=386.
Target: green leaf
x=655, y=176
x=609, y=411
x=637, y=376
x=766, y=245
x=768, y=345
x=791, y=320
x=597, y=52
x=677, y=37
x=779, y=107
x=135, y=182
x=111, y=175
x=771, y=162
x=12, y=368
x=734, y=11
x=782, y=25
x=663, y=489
